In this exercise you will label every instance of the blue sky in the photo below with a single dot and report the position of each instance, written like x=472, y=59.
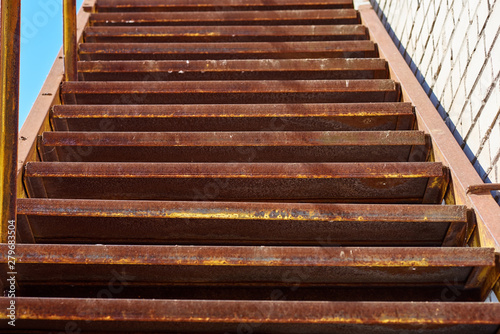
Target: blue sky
x=41, y=39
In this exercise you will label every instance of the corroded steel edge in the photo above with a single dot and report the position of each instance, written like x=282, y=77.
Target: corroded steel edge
x=444, y=145
x=251, y=256
x=280, y=312
x=38, y=118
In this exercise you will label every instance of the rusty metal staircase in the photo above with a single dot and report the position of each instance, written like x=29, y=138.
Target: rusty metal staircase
x=243, y=167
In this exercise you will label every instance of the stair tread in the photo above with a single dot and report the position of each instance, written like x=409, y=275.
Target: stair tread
x=234, y=69
x=234, y=30
x=158, y=51
x=240, y=86
x=236, y=170
x=333, y=182
x=308, y=110
x=254, y=256
x=244, y=210
x=94, y=221
x=235, y=65
x=250, y=265
x=276, y=146
x=291, y=312
x=275, y=316
x=227, y=17
x=120, y=5
x=254, y=138
x=266, y=91
x=148, y=34
x=234, y=117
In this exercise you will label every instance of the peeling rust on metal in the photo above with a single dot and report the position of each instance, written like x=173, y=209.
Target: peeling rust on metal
x=270, y=17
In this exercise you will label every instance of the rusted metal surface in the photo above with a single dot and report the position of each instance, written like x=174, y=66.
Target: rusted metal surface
x=242, y=69
x=248, y=50
x=478, y=278
x=231, y=117
x=190, y=153
x=276, y=138
x=235, y=110
x=365, y=182
x=236, y=256
x=232, y=225
x=70, y=41
x=236, y=170
x=332, y=146
x=268, y=91
x=9, y=99
x=283, y=17
x=445, y=146
x=244, y=211
x=240, y=223
x=248, y=265
x=200, y=5
x=285, y=312
x=262, y=65
x=483, y=188
x=268, y=86
x=225, y=33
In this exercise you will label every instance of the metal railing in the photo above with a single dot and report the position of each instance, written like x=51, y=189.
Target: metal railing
x=9, y=95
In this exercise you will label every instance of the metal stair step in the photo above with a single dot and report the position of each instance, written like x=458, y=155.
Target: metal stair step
x=235, y=117
x=271, y=146
x=218, y=5
x=150, y=265
x=250, y=92
x=243, y=69
x=242, y=50
x=268, y=17
x=403, y=182
x=277, y=316
x=240, y=223
x=233, y=33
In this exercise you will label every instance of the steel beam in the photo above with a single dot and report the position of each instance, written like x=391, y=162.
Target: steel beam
x=70, y=45
x=9, y=97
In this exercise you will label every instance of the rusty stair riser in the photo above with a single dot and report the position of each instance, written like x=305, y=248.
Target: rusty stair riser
x=281, y=316
x=220, y=5
x=235, y=146
x=230, y=117
x=242, y=223
x=214, y=51
x=271, y=17
x=233, y=34
x=296, y=69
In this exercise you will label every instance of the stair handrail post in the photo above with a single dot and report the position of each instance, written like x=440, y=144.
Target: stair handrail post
x=69, y=40
x=9, y=95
